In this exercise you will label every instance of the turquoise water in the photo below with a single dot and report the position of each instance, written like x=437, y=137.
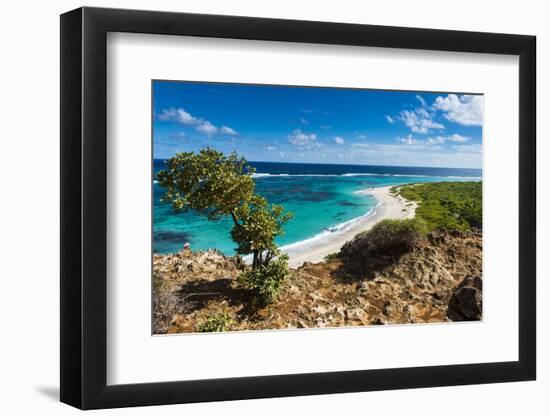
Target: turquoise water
x=322, y=197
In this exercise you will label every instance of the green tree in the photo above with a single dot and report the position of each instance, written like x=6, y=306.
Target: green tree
x=218, y=185
x=259, y=225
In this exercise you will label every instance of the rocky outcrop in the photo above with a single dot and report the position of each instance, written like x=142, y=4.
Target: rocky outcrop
x=184, y=282
x=466, y=301
x=437, y=280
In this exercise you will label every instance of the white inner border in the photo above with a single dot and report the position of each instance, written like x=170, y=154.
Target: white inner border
x=134, y=356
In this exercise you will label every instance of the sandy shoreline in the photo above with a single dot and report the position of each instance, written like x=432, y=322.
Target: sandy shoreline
x=389, y=207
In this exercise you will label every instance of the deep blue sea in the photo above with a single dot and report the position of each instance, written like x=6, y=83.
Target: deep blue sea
x=322, y=197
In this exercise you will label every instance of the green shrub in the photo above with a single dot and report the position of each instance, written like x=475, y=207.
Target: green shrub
x=395, y=237
x=220, y=322
x=332, y=256
x=266, y=280
x=382, y=245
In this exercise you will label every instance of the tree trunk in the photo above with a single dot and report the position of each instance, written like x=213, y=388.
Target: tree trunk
x=268, y=257
x=255, y=260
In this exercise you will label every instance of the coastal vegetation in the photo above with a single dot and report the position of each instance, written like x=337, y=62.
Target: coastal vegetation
x=218, y=322
x=331, y=256
x=385, y=243
x=266, y=281
x=217, y=185
x=449, y=205
x=394, y=237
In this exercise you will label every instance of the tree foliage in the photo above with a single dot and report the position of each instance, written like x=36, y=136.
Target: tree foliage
x=207, y=181
x=260, y=223
x=218, y=185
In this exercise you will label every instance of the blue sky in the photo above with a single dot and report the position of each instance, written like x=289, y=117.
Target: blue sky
x=322, y=125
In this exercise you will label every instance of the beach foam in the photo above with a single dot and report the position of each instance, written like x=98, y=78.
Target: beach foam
x=328, y=233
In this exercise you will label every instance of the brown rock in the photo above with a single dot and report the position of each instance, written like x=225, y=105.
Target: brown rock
x=466, y=302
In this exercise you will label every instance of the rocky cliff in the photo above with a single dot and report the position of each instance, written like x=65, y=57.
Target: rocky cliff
x=437, y=280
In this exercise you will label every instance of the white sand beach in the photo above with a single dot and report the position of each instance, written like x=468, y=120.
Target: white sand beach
x=314, y=250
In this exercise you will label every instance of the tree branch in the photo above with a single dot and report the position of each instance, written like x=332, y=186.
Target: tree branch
x=235, y=219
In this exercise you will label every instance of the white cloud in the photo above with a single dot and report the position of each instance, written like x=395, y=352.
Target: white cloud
x=314, y=146
x=473, y=148
x=466, y=110
x=389, y=119
x=455, y=137
x=412, y=147
x=178, y=115
x=395, y=153
x=361, y=136
x=204, y=126
x=417, y=155
x=419, y=121
x=431, y=141
x=299, y=138
x=325, y=127
x=339, y=140
x=226, y=130
x=303, y=121
x=458, y=138
x=271, y=148
x=409, y=140
x=422, y=101
x=207, y=128
x=435, y=141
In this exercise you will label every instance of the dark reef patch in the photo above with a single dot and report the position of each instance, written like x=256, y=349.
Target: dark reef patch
x=339, y=215
x=345, y=203
x=282, y=195
x=161, y=237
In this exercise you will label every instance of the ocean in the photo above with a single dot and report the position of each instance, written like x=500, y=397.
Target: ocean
x=322, y=197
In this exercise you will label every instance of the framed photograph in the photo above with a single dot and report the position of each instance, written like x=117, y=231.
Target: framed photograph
x=258, y=208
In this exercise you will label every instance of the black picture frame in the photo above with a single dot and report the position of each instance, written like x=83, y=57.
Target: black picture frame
x=84, y=207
